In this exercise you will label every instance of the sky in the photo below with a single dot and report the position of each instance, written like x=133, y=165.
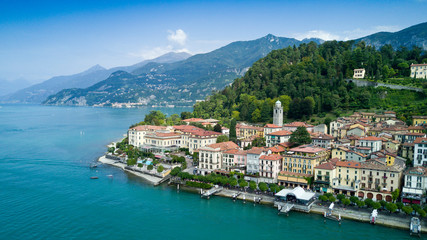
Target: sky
x=42, y=39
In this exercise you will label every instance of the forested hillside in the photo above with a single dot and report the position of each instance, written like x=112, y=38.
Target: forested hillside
x=310, y=79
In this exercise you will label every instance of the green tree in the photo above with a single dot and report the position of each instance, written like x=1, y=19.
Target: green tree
x=252, y=185
x=332, y=199
x=258, y=142
x=421, y=212
x=340, y=197
x=323, y=198
x=376, y=205
x=160, y=169
x=354, y=199
x=150, y=167
x=233, y=136
x=383, y=203
x=395, y=194
x=346, y=201
x=256, y=115
x=407, y=210
x=391, y=207
x=186, y=115
x=399, y=205
x=217, y=128
x=263, y=186
x=233, y=182
x=369, y=202
x=155, y=118
x=175, y=171
x=222, y=138
x=360, y=203
x=243, y=183
x=300, y=136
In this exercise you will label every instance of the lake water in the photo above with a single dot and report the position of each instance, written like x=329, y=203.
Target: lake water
x=46, y=191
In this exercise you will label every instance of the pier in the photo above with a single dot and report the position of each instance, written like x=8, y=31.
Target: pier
x=285, y=208
x=207, y=194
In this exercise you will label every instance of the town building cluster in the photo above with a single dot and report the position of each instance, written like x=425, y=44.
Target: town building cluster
x=364, y=155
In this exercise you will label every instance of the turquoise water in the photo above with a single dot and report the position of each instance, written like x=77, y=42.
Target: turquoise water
x=46, y=193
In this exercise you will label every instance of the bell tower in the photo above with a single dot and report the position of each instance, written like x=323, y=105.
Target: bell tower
x=278, y=114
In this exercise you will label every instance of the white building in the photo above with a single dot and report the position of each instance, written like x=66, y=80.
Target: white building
x=415, y=185
x=270, y=166
x=420, y=152
x=136, y=134
x=359, y=73
x=274, y=138
x=269, y=128
x=210, y=157
x=252, y=159
x=160, y=142
x=419, y=70
x=375, y=143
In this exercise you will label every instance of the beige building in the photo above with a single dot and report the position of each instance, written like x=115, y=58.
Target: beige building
x=210, y=157
x=245, y=131
x=419, y=70
x=274, y=138
x=194, y=138
x=136, y=134
x=347, y=178
x=378, y=180
x=160, y=142
x=359, y=73
x=323, y=175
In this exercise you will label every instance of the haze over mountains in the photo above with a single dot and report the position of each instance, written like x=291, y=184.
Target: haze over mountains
x=39, y=92
x=180, y=79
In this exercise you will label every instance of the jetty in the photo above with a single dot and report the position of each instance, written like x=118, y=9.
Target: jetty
x=286, y=208
x=235, y=195
x=207, y=194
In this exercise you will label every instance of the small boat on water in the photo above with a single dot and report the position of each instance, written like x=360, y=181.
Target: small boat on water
x=415, y=227
x=94, y=177
x=93, y=165
x=110, y=175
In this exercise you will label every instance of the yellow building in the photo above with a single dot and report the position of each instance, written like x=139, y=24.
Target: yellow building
x=347, y=177
x=299, y=163
x=339, y=153
x=419, y=120
x=246, y=131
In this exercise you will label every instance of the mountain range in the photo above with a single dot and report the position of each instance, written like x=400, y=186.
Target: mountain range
x=179, y=83
x=182, y=80
x=39, y=92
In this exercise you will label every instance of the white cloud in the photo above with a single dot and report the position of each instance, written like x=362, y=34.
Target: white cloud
x=177, y=41
x=317, y=34
x=177, y=37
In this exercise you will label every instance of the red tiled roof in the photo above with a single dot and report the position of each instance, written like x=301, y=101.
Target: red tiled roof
x=417, y=65
x=307, y=149
x=270, y=125
x=371, y=138
x=276, y=149
x=256, y=150
x=326, y=166
x=271, y=157
x=350, y=164
x=148, y=127
x=193, y=120
x=286, y=144
x=224, y=145
x=280, y=133
x=298, y=124
x=420, y=140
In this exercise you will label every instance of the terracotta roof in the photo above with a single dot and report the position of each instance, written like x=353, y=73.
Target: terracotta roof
x=377, y=165
x=271, y=157
x=326, y=166
x=160, y=134
x=418, y=65
x=193, y=120
x=371, y=138
x=307, y=149
x=286, y=144
x=297, y=124
x=270, y=125
x=281, y=133
x=256, y=150
x=389, y=112
x=415, y=128
x=276, y=149
x=420, y=140
x=224, y=145
x=249, y=127
x=148, y=127
x=350, y=164
x=236, y=152
x=186, y=128
x=415, y=134
x=419, y=117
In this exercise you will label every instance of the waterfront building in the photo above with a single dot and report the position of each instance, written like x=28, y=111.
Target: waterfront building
x=270, y=166
x=379, y=180
x=359, y=73
x=419, y=120
x=415, y=185
x=161, y=142
x=347, y=178
x=210, y=156
x=420, y=152
x=234, y=159
x=299, y=163
x=252, y=159
x=323, y=175
x=278, y=114
x=419, y=70
x=278, y=137
x=136, y=134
